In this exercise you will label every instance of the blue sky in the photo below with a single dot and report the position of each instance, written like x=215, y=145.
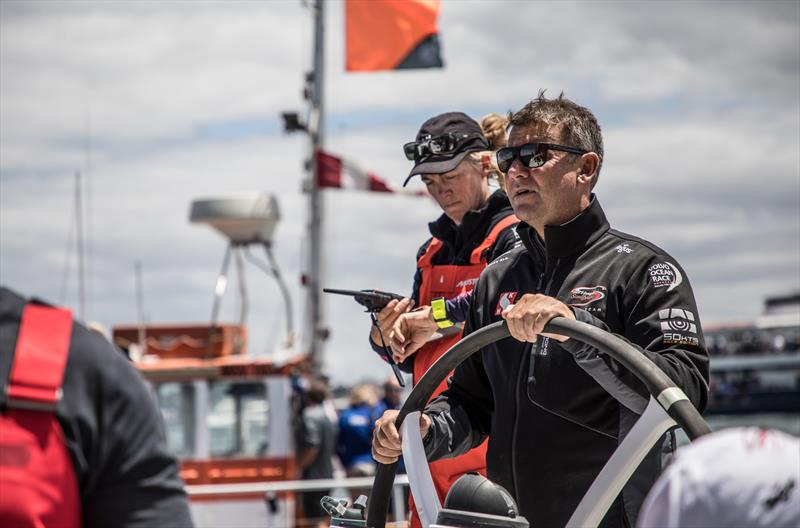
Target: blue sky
x=699, y=103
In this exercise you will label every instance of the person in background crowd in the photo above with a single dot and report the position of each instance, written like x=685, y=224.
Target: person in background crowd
x=328, y=404
x=82, y=439
x=353, y=445
x=453, y=159
x=354, y=440
x=738, y=477
x=392, y=397
x=316, y=444
x=555, y=409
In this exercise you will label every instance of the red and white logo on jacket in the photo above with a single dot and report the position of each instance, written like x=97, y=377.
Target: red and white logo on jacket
x=506, y=299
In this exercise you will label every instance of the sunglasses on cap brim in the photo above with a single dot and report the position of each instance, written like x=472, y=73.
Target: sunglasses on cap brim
x=532, y=155
x=435, y=146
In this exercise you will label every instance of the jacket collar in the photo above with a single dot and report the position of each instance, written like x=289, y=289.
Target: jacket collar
x=444, y=228
x=568, y=238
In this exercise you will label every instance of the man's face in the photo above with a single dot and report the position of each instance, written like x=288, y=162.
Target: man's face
x=458, y=191
x=546, y=195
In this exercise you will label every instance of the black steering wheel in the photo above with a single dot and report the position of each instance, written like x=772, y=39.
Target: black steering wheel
x=657, y=382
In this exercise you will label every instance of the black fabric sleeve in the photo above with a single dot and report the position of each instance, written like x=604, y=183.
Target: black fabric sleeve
x=458, y=307
x=462, y=415
x=507, y=240
x=112, y=430
x=127, y=476
x=663, y=323
x=417, y=284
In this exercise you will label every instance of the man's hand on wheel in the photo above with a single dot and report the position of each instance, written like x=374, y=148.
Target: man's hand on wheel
x=387, y=446
x=527, y=318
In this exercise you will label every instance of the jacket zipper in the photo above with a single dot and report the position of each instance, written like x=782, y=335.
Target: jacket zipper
x=552, y=277
x=530, y=379
x=514, y=435
x=535, y=346
x=517, y=393
x=533, y=357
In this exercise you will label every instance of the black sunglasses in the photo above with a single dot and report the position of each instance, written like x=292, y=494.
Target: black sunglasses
x=531, y=155
x=434, y=146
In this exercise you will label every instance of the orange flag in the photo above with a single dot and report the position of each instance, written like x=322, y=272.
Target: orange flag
x=391, y=34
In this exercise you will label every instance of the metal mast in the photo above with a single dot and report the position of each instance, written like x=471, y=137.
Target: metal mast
x=315, y=329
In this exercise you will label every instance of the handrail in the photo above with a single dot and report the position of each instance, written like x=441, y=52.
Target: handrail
x=275, y=486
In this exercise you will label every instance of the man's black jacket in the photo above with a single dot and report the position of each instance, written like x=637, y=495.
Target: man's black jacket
x=555, y=412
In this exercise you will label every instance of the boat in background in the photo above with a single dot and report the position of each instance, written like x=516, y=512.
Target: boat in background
x=227, y=416
x=755, y=369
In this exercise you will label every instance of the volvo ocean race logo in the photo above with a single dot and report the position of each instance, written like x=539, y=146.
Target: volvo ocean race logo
x=665, y=274
x=586, y=295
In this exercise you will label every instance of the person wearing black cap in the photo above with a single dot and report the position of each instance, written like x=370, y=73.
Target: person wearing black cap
x=555, y=409
x=477, y=225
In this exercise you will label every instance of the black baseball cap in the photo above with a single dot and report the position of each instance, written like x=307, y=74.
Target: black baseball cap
x=449, y=123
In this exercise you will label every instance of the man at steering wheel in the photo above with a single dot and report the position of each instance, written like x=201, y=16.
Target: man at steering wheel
x=555, y=409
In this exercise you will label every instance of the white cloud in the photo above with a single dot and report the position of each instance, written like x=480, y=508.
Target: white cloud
x=699, y=104
x=148, y=73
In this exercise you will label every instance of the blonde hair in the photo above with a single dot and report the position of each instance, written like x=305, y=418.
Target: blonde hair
x=495, y=130
x=364, y=394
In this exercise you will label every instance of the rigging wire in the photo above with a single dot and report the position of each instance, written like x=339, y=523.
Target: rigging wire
x=272, y=269
x=80, y=246
x=89, y=249
x=62, y=296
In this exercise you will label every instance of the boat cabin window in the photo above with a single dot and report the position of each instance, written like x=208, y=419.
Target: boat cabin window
x=177, y=403
x=238, y=419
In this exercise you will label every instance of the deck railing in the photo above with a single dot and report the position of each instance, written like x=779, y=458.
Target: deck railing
x=272, y=489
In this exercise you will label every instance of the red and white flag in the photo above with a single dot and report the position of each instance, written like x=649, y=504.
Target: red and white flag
x=339, y=173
